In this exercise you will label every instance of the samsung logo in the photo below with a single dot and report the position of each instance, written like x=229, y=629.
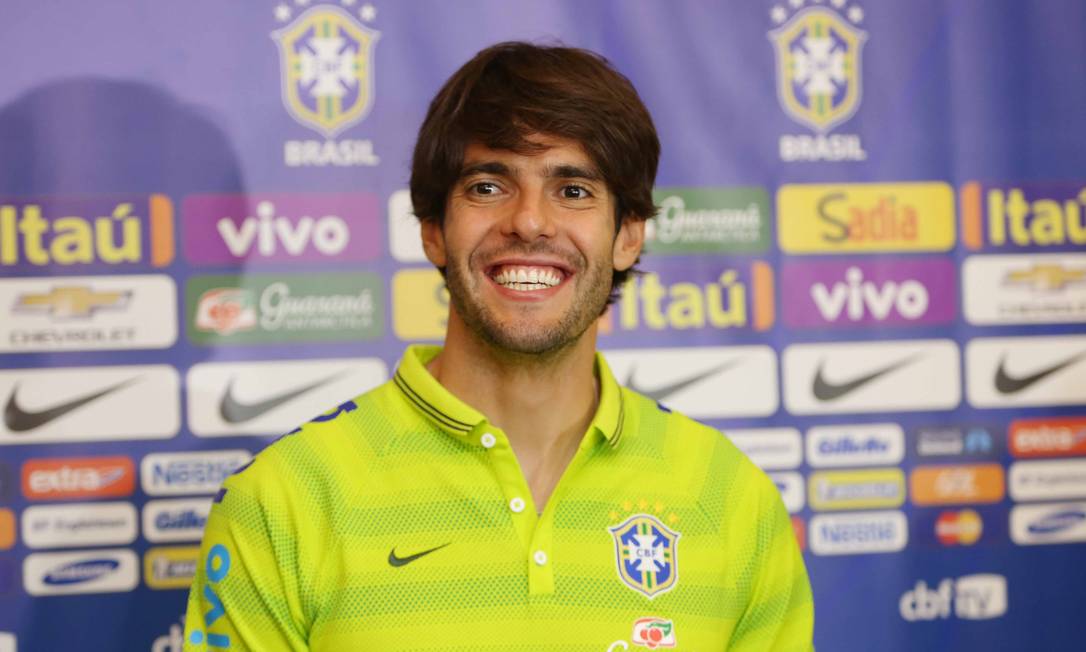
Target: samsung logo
x=189, y=473
x=83, y=571
x=87, y=571
x=1057, y=522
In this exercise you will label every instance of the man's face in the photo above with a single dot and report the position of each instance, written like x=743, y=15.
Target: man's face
x=529, y=245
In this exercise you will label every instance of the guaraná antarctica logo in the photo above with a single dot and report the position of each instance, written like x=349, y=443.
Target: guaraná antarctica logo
x=819, y=82
x=326, y=63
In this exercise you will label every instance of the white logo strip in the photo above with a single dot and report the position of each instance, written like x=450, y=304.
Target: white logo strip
x=858, y=533
x=770, y=448
x=177, y=519
x=855, y=377
x=702, y=382
x=86, y=571
x=1026, y=371
x=1024, y=289
x=202, y=472
x=866, y=444
x=1048, y=523
x=87, y=313
x=273, y=398
x=1047, y=479
x=79, y=525
x=81, y=404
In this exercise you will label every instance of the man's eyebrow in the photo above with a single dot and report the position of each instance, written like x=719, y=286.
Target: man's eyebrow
x=567, y=171
x=486, y=167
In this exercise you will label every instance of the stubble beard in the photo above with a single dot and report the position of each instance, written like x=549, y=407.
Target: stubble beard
x=522, y=336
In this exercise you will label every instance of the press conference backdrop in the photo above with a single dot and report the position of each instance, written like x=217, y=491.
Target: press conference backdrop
x=868, y=269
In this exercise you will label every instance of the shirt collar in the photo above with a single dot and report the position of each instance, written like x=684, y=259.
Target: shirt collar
x=458, y=418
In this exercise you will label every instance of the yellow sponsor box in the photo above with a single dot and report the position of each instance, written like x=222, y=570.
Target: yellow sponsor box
x=862, y=489
x=873, y=217
x=170, y=567
x=420, y=305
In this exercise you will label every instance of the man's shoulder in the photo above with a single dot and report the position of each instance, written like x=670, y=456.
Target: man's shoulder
x=341, y=435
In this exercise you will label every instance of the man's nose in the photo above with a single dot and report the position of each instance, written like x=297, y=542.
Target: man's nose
x=530, y=217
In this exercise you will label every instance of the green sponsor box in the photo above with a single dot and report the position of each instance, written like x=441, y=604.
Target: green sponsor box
x=709, y=220
x=268, y=308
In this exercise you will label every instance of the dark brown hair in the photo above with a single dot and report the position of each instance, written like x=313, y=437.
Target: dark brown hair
x=510, y=91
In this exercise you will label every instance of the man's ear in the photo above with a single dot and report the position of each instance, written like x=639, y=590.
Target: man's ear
x=433, y=242
x=628, y=242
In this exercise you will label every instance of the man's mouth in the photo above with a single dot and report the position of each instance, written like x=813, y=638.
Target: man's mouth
x=526, y=278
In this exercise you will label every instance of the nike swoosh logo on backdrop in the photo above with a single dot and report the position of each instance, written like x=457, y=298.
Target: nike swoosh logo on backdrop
x=19, y=420
x=824, y=390
x=393, y=560
x=663, y=391
x=1007, y=384
x=234, y=411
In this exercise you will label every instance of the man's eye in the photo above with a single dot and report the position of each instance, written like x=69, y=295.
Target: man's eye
x=484, y=188
x=575, y=192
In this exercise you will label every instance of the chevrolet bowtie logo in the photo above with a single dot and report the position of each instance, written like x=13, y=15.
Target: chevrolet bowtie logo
x=72, y=302
x=1046, y=277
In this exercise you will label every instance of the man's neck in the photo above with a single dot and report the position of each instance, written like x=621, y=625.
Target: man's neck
x=543, y=403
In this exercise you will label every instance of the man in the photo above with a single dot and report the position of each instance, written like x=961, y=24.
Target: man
x=503, y=492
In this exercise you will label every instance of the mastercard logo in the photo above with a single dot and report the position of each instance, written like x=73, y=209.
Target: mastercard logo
x=959, y=527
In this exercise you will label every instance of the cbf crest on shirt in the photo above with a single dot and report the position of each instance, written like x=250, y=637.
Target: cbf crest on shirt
x=818, y=67
x=326, y=66
x=646, y=554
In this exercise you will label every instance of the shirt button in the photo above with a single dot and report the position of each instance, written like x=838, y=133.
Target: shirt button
x=488, y=440
x=540, y=558
x=517, y=505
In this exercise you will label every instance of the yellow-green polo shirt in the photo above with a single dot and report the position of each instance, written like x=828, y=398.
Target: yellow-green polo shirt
x=401, y=520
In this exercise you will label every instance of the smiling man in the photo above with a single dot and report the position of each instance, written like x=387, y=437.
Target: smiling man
x=503, y=492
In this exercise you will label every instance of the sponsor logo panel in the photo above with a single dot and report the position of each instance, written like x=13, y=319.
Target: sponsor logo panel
x=954, y=485
x=858, y=533
x=971, y=597
x=79, y=404
x=790, y=485
x=961, y=527
x=863, y=444
x=170, y=567
x=855, y=377
x=281, y=228
x=7, y=529
x=326, y=88
x=69, y=478
x=1024, y=289
x=75, y=526
x=770, y=448
x=179, y=519
x=8, y=642
x=404, y=230
x=83, y=313
x=861, y=293
x=709, y=220
x=420, y=304
x=169, y=474
x=653, y=632
x=675, y=296
x=1050, y=437
x=85, y=233
x=1026, y=371
x=1049, y=523
x=859, y=489
x=702, y=382
x=848, y=218
x=276, y=308
x=271, y=398
x=965, y=441
x=85, y=571
x=1048, y=479
x=819, y=81
x=1012, y=216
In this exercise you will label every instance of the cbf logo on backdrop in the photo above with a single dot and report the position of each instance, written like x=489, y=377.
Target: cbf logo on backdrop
x=818, y=52
x=326, y=70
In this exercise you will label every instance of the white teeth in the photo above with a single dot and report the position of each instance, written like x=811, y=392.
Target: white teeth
x=526, y=279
